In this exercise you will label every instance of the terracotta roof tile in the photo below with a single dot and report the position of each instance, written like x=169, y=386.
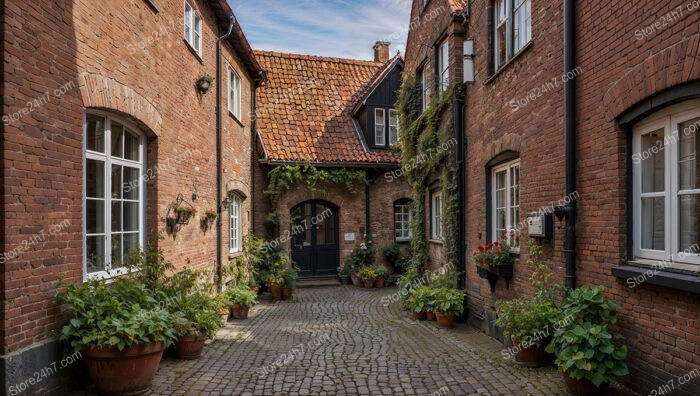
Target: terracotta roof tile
x=304, y=109
x=457, y=5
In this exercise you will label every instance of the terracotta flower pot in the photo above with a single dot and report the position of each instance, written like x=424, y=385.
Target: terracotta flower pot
x=369, y=283
x=276, y=291
x=419, y=315
x=239, y=311
x=445, y=320
x=584, y=386
x=532, y=356
x=287, y=293
x=430, y=316
x=379, y=283
x=255, y=289
x=126, y=372
x=188, y=347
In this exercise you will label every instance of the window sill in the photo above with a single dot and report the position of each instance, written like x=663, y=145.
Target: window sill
x=233, y=255
x=510, y=61
x=437, y=241
x=407, y=240
x=235, y=118
x=644, y=271
x=193, y=51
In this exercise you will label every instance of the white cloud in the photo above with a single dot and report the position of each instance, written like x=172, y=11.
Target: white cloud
x=338, y=28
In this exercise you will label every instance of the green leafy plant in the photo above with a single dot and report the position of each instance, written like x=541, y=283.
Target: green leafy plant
x=197, y=315
x=447, y=279
x=421, y=299
x=527, y=321
x=391, y=252
x=381, y=271
x=240, y=296
x=368, y=273
x=185, y=210
x=448, y=301
x=243, y=269
x=406, y=283
x=204, y=77
x=290, y=276
x=587, y=350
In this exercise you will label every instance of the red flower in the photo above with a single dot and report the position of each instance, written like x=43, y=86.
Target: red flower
x=497, y=252
x=503, y=236
x=481, y=248
x=486, y=261
x=474, y=254
x=517, y=238
x=511, y=234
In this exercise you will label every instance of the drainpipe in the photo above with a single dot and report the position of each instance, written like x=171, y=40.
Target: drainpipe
x=367, y=216
x=458, y=109
x=569, y=210
x=219, y=155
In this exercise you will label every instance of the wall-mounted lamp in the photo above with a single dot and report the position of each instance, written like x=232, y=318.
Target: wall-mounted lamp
x=226, y=202
x=468, y=68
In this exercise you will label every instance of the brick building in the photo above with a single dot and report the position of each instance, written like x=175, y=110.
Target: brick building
x=102, y=95
x=330, y=113
x=632, y=83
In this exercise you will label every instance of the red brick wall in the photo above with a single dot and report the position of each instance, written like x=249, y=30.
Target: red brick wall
x=97, y=49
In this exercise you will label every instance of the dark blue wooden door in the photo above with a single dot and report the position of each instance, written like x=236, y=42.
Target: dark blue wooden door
x=315, y=242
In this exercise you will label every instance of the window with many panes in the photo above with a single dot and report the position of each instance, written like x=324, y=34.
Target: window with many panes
x=379, y=127
x=506, y=201
x=443, y=67
x=193, y=28
x=235, y=237
x=666, y=185
x=234, y=93
x=513, y=31
x=423, y=90
x=436, y=215
x=393, y=127
x=402, y=221
x=114, y=194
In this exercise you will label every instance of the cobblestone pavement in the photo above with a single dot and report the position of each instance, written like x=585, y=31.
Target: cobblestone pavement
x=351, y=344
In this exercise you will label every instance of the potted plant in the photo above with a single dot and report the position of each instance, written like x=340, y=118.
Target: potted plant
x=222, y=308
x=208, y=219
x=198, y=320
x=121, y=331
x=290, y=276
x=275, y=283
x=204, y=82
x=419, y=302
x=254, y=286
x=344, y=274
x=391, y=253
x=588, y=355
x=368, y=276
x=495, y=257
x=527, y=323
x=360, y=257
x=183, y=214
x=382, y=276
x=448, y=304
x=241, y=299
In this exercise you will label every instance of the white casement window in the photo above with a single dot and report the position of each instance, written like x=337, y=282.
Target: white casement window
x=424, y=90
x=506, y=201
x=235, y=236
x=443, y=67
x=234, y=93
x=666, y=179
x=513, y=20
x=114, y=194
x=193, y=28
x=393, y=127
x=402, y=221
x=379, y=127
x=436, y=215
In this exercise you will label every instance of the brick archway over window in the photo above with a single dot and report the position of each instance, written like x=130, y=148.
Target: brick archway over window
x=103, y=92
x=672, y=66
x=507, y=142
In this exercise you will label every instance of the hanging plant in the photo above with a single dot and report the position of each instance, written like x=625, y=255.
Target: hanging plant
x=183, y=213
x=208, y=219
x=204, y=82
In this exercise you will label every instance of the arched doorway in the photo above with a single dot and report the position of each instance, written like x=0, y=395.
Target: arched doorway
x=315, y=239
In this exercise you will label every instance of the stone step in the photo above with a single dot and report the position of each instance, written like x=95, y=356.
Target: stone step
x=319, y=281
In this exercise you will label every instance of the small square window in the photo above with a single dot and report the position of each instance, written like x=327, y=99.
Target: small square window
x=379, y=127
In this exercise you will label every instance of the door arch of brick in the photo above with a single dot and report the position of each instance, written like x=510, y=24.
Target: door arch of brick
x=102, y=92
x=675, y=65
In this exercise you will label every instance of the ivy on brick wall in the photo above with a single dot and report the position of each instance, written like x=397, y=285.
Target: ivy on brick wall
x=421, y=135
x=282, y=178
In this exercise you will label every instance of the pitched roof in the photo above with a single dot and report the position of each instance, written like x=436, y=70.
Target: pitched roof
x=305, y=109
x=374, y=82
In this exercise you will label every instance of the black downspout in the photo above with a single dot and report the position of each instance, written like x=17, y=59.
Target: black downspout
x=253, y=151
x=459, y=157
x=570, y=94
x=367, y=217
x=219, y=157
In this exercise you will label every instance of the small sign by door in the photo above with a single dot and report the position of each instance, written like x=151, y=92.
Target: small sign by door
x=349, y=237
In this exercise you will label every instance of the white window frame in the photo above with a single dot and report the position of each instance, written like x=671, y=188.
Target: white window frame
x=234, y=93
x=511, y=222
x=393, y=127
x=108, y=161
x=511, y=24
x=436, y=233
x=424, y=90
x=379, y=138
x=443, y=80
x=668, y=120
x=402, y=221
x=192, y=22
x=235, y=224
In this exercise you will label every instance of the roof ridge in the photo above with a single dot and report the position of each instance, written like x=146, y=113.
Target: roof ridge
x=318, y=58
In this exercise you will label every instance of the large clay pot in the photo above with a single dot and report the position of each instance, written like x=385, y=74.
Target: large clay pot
x=419, y=315
x=379, y=283
x=356, y=279
x=287, y=293
x=239, y=311
x=187, y=347
x=584, y=386
x=531, y=356
x=369, y=283
x=126, y=372
x=445, y=320
x=276, y=291
x=430, y=316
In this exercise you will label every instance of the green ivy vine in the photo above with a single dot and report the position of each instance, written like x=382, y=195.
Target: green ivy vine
x=421, y=133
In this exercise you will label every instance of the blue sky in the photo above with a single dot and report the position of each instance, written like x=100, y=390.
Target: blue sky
x=340, y=28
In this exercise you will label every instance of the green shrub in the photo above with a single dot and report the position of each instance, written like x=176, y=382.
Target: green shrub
x=527, y=321
x=290, y=276
x=391, y=252
x=421, y=299
x=448, y=301
x=197, y=315
x=382, y=272
x=241, y=296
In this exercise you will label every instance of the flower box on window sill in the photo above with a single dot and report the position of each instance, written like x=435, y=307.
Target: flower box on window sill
x=493, y=272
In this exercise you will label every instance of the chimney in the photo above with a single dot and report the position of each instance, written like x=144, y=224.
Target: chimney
x=381, y=51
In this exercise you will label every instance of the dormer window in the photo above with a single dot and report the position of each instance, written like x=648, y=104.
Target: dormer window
x=379, y=127
x=393, y=127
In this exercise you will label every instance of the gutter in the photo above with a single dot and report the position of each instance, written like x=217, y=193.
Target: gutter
x=333, y=164
x=219, y=155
